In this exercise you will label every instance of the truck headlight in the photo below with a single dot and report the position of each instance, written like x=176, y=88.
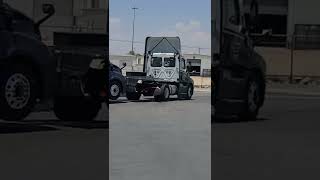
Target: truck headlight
x=97, y=64
x=139, y=81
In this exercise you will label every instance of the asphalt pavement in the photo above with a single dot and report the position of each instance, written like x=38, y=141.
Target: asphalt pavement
x=167, y=140
x=44, y=148
x=282, y=144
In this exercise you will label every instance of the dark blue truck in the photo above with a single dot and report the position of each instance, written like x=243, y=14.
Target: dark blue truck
x=72, y=73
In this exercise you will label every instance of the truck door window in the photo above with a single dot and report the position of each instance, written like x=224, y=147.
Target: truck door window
x=156, y=62
x=169, y=62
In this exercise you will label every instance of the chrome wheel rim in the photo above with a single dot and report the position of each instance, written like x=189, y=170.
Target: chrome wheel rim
x=17, y=91
x=114, y=90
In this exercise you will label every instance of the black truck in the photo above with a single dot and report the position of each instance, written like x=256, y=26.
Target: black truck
x=72, y=73
x=239, y=72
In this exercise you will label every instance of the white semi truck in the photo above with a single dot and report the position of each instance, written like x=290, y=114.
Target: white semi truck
x=164, y=73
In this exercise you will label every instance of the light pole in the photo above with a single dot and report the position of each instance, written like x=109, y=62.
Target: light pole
x=134, y=18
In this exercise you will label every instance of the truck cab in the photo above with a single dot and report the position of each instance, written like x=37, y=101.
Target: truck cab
x=163, y=66
x=164, y=72
x=238, y=71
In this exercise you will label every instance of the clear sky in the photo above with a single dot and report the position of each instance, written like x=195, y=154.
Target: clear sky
x=188, y=19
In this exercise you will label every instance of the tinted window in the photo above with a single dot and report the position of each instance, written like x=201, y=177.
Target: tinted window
x=169, y=62
x=156, y=62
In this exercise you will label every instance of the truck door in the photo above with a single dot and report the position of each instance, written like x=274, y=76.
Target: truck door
x=229, y=58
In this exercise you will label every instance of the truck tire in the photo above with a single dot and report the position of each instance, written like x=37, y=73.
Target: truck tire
x=76, y=108
x=115, y=90
x=189, y=92
x=133, y=96
x=253, y=99
x=188, y=95
x=164, y=95
x=18, y=91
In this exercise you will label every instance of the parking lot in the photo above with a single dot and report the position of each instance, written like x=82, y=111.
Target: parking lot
x=42, y=147
x=282, y=144
x=167, y=140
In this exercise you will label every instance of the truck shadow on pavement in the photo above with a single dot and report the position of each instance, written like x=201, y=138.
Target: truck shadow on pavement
x=71, y=124
x=235, y=120
x=118, y=102
x=48, y=125
x=152, y=100
x=14, y=128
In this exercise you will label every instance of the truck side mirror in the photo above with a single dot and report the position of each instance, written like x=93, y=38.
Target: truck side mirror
x=124, y=65
x=48, y=9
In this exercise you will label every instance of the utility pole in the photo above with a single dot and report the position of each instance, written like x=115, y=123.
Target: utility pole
x=134, y=19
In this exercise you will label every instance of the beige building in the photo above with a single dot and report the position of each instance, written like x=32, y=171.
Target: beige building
x=71, y=15
x=201, y=64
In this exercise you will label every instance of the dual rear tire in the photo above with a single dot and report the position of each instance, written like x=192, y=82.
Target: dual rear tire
x=164, y=94
x=18, y=91
x=253, y=101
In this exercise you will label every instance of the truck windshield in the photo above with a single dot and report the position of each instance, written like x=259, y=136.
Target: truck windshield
x=169, y=62
x=156, y=62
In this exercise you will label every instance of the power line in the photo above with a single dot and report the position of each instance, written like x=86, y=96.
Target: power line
x=140, y=42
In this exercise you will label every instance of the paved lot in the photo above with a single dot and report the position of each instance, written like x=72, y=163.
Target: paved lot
x=168, y=140
x=43, y=148
x=283, y=144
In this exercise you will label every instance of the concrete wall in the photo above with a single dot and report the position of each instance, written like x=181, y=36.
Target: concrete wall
x=24, y=6
x=303, y=12
x=305, y=62
x=205, y=60
x=71, y=15
x=131, y=61
x=201, y=82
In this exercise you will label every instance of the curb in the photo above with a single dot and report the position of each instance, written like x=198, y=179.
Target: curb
x=208, y=90
x=291, y=92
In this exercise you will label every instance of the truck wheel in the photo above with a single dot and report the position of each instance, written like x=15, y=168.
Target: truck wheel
x=164, y=95
x=76, y=108
x=115, y=90
x=253, y=100
x=18, y=92
x=189, y=92
x=133, y=96
x=188, y=95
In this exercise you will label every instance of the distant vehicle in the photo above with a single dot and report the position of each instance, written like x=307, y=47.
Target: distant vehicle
x=238, y=71
x=117, y=82
x=72, y=73
x=164, y=73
